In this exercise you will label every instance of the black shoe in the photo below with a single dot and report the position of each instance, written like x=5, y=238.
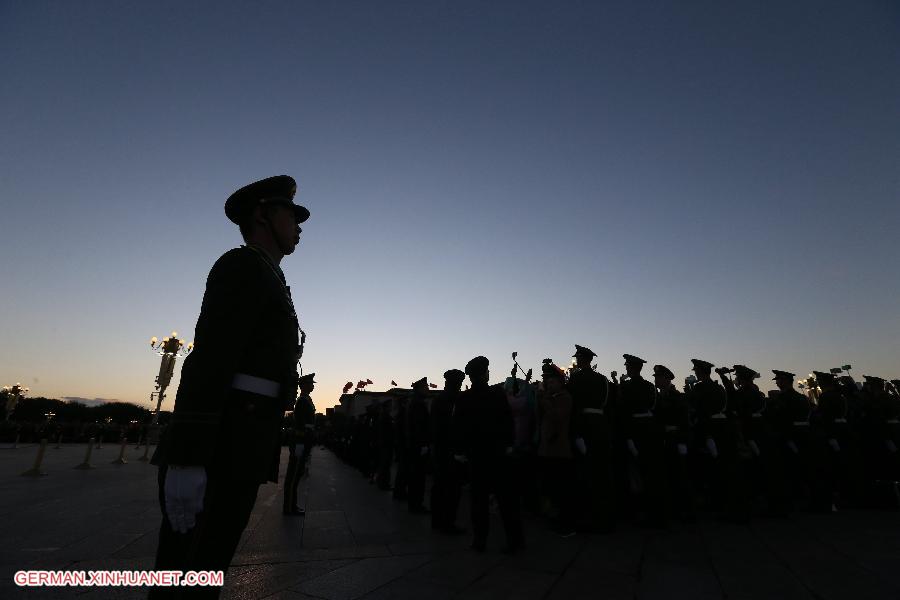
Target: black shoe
x=419, y=510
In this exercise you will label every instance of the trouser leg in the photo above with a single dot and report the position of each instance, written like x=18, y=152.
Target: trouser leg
x=210, y=545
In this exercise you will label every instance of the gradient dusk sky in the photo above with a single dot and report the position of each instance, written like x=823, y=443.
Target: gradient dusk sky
x=668, y=179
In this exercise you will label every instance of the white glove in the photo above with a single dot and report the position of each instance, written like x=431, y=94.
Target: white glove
x=509, y=450
x=834, y=444
x=579, y=443
x=682, y=449
x=460, y=458
x=184, y=490
x=793, y=447
x=891, y=446
x=424, y=450
x=711, y=447
x=632, y=448
x=298, y=450
x=753, y=447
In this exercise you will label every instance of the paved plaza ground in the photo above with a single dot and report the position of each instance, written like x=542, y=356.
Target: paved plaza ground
x=355, y=542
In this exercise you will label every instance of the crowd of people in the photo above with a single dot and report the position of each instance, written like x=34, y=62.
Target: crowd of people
x=589, y=452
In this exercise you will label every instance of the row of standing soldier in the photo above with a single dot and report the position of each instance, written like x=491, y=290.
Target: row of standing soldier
x=606, y=450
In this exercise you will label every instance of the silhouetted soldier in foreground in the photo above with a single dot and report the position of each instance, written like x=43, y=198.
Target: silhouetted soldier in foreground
x=401, y=477
x=418, y=436
x=445, y=490
x=223, y=441
x=834, y=433
x=555, y=448
x=674, y=417
x=485, y=427
x=385, y=444
x=715, y=439
x=803, y=463
x=300, y=444
x=644, y=440
x=591, y=417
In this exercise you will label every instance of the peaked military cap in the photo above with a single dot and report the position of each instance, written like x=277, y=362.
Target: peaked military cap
x=822, y=376
x=551, y=370
x=663, y=371
x=454, y=375
x=701, y=364
x=633, y=360
x=306, y=379
x=784, y=374
x=872, y=378
x=584, y=351
x=279, y=189
x=744, y=371
x=420, y=383
x=477, y=366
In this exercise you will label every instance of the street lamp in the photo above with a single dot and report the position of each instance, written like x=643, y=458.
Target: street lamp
x=169, y=348
x=13, y=394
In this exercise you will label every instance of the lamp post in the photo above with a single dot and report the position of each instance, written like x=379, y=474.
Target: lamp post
x=13, y=394
x=169, y=348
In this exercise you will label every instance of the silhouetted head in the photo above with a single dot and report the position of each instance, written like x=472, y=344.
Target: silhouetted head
x=633, y=365
x=824, y=380
x=420, y=387
x=662, y=377
x=553, y=377
x=583, y=357
x=784, y=380
x=453, y=380
x=266, y=214
x=477, y=370
x=702, y=369
x=874, y=384
x=307, y=383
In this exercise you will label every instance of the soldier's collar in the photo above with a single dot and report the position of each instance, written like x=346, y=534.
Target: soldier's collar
x=264, y=253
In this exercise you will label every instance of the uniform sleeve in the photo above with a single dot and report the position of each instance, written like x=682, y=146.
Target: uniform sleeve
x=229, y=313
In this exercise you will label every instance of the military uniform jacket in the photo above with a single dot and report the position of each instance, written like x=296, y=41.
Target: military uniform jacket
x=418, y=427
x=591, y=408
x=638, y=403
x=832, y=414
x=672, y=412
x=750, y=405
x=483, y=422
x=441, y=421
x=710, y=405
x=304, y=414
x=247, y=325
x=796, y=411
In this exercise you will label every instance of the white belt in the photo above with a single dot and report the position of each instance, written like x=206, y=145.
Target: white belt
x=671, y=428
x=592, y=411
x=801, y=423
x=893, y=421
x=642, y=415
x=840, y=420
x=256, y=385
x=309, y=426
x=756, y=415
x=719, y=416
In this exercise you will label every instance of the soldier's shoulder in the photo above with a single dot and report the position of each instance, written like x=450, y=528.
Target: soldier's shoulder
x=237, y=259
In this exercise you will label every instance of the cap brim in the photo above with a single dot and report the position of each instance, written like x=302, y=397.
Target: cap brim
x=301, y=214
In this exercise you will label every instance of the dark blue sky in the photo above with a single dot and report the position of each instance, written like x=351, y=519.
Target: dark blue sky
x=717, y=180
